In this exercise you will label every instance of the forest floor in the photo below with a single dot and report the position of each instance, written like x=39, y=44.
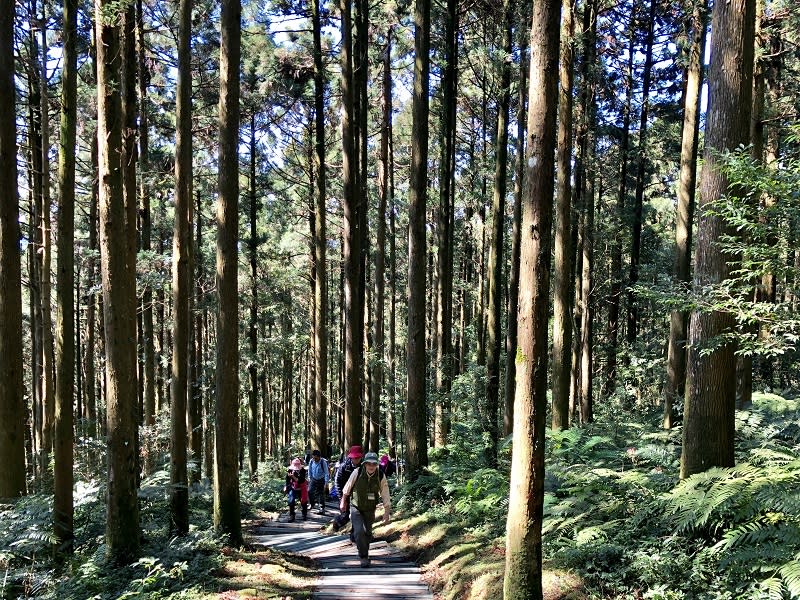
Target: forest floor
x=410, y=557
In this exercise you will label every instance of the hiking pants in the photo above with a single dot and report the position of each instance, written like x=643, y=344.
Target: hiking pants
x=362, y=528
x=317, y=492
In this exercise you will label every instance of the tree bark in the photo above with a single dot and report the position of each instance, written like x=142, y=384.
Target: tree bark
x=181, y=284
x=63, y=509
x=416, y=405
x=523, y=570
x=709, y=405
x=12, y=402
x=226, y=449
x=636, y=235
x=516, y=234
x=319, y=405
x=564, y=257
x=495, y=267
x=690, y=141
x=118, y=266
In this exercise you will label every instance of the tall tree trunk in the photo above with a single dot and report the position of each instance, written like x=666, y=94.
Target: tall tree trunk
x=90, y=368
x=198, y=363
x=65, y=282
x=523, y=571
x=495, y=267
x=636, y=235
x=678, y=323
x=181, y=284
x=516, y=232
x=48, y=352
x=564, y=257
x=615, y=296
x=118, y=264
x=416, y=406
x=709, y=405
x=444, y=266
x=391, y=417
x=586, y=356
x=12, y=401
x=319, y=405
x=226, y=449
x=252, y=334
x=352, y=250
x=145, y=218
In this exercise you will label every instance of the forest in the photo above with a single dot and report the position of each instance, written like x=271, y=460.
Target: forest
x=545, y=255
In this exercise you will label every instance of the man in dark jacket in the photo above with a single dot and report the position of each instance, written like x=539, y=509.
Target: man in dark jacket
x=346, y=468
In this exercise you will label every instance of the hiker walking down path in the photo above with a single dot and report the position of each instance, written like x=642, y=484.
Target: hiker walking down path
x=296, y=488
x=318, y=476
x=366, y=486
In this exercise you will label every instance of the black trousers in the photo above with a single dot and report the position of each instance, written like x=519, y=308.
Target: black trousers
x=317, y=492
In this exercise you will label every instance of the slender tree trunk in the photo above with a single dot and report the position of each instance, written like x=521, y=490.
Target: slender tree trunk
x=564, y=257
x=444, y=266
x=416, y=405
x=391, y=417
x=636, y=236
x=12, y=400
x=586, y=356
x=252, y=334
x=181, y=284
x=516, y=233
x=523, y=572
x=226, y=450
x=148, y=371
x=615, y=295
x=709, y=405
x=90, y=371
x=495, y=267
x=678, y=325
x=197, y=366
x=118, y=264
x=65, y=282
x=319, y=405
x=352, y=250
x=48, y=352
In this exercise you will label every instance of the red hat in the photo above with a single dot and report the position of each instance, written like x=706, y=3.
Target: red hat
x=355, y=452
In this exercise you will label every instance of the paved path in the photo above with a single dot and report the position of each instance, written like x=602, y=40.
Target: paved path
x=340, y=577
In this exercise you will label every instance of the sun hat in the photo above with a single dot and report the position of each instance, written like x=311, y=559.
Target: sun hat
x=371, y=457
x=297, y=463
x=355, y=452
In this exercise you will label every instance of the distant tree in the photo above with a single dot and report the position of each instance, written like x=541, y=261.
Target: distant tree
x=495, y=269
x=678, y=327
x=227, y=519
x=320, y=401
x=523, y=570
x=416, y=406
x=12, y=404
x=564, y=257
x=64, y=438
x=181, y=271
x=709, y=403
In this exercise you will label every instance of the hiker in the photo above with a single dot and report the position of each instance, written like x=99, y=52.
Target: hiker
x=366, y=487
x=343, y=472
x=296, y=488
x=318, y=476
x=387, y=466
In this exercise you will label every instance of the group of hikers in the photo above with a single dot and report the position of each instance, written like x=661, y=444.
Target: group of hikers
x=359, y=483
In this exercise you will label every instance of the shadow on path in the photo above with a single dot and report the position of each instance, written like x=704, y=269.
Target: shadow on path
x=340, y=577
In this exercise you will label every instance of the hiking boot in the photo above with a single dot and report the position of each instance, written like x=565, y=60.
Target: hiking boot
x=365, y=562
x=291, y=518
